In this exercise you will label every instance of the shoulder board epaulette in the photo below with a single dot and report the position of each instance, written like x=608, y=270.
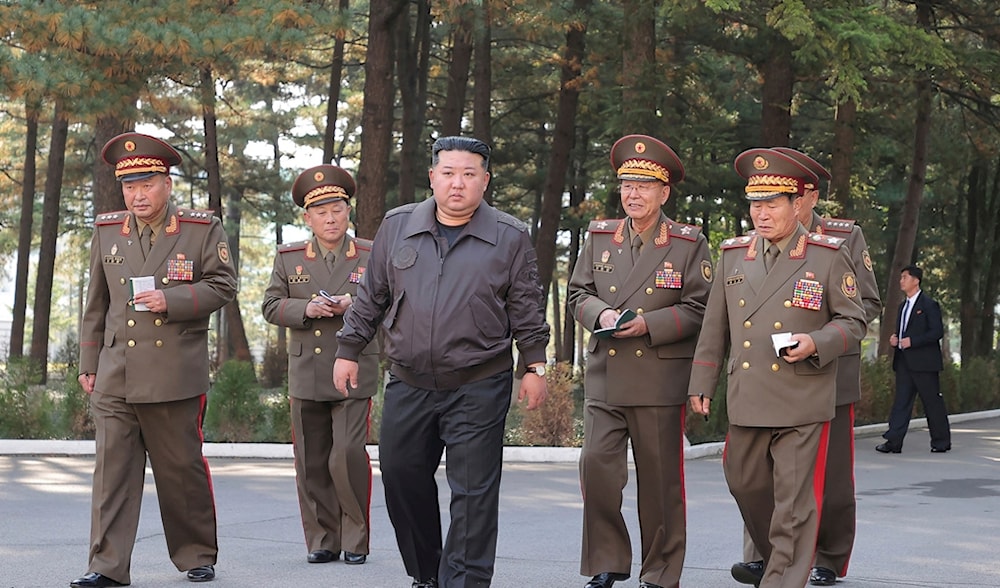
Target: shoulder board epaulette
x=363, y=244
x=737, y=242
x=686, y=232
x=294, y=246
x=406, y=208
x=111, y=218
x=825, y=240
x=512, y=220
x=838, y=225
x=193, y=215
x=604, y=225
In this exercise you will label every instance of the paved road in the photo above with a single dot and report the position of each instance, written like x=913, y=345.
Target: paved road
x=924, y=520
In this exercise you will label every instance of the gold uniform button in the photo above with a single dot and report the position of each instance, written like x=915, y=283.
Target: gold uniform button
x=131, y=342
x=746, y=345
x=165, y=280
x=742, y=303
x=775, y=367
x=318, y=350
x=639, y=311
x=122, y=280
x=649, y=290
x=777, y=324
x=612, y=352
x=638, y=352
x=131, y=322
x=613, y=289
x=747, y=325
x=317, y=332
x=158, y=322
x=788, y=304
x=159, y=343
x=746, y=365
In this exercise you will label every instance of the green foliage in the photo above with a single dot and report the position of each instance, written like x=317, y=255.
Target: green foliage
x=877, y=388
x=26, y=410
x=74, y=418
x=234, y=408
x=553, y=423
x=278, y=417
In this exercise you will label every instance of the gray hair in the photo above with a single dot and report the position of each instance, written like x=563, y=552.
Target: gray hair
x=470, y=144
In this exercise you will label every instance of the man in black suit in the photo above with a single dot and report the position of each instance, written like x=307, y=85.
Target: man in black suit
x=917, y=363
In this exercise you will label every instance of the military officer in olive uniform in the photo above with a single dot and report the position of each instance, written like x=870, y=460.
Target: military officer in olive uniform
x=787, y=299
x=312, y=286
x=636, y=378
x=837, y=523
x=157, y=273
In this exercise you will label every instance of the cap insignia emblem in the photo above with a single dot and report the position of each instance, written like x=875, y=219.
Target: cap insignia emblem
x=760, y=163
x=640, y=147
x=318, y=176
x=129, y=146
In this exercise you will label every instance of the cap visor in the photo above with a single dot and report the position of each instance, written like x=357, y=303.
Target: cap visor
x=138, y=176
x=329, y=199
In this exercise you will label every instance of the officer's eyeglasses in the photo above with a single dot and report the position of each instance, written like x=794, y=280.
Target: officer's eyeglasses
x=642, y=188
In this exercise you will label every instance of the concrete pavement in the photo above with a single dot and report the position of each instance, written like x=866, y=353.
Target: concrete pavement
x=924, y=520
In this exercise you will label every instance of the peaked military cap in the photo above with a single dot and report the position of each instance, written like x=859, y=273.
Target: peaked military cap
x=137, y=156
x=322, y=184
x=645, y=159
x=809, y=162
x=770, y=174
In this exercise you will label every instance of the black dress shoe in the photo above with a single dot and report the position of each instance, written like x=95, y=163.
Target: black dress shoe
x=322, y=556
x=431, y=583
x=887, y=448
x=940, y=449
x=649, y=585
x=354, y=559
x=95, y=580
x=748, y=572
x=606, y=580
x=821, y=576
x=201, y=574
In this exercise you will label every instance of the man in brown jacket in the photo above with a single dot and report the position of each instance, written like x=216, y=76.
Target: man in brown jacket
x=332, y=472
x=636, y=378
x=157, y=273
x=787, y=301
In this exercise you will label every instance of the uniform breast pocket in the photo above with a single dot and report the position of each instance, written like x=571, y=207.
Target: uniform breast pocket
x=809, y=368
x=487, y=319
x=392, y=314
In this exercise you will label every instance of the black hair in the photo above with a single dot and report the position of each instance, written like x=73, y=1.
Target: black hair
x=914, y=271
x=470, y=144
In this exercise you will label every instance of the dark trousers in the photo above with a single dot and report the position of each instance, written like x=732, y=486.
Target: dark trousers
x=837, y=525
x=927, y=385
x=417, y=425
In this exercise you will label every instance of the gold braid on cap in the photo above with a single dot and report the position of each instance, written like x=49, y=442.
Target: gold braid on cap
x=774, y=184
x=646, y=168
x=138, y=165
x=322, y=192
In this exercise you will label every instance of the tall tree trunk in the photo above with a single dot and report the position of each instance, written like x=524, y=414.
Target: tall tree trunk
x=376, y=115
x=333, y=95
x=562, y=144
x=908, y=224
x=458, y=69
x=577, y=194
x=107, y=190
x=49, y=238
x=482, y=75
x=776, y=94
x=639, y=87
x=991, y=286
x=970, y=269
x=412, y=57
x=842, y=159
x=32, y=111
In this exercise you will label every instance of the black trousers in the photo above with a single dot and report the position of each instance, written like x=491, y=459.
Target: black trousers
x=927, y=385
x=417, y=425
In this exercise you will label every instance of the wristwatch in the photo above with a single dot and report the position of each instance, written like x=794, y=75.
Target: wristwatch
x=538, y=370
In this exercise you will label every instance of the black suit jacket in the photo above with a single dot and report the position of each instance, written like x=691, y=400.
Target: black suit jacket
x=925, y=330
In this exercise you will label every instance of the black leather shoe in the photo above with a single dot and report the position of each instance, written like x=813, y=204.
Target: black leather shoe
x=322, y=556
x=748, y=572
x=201, y=574
x=821, y=576
x=354, y=559
x=431, y=583
x=649, y=585
x=606, y=580
x=887, y=448
x=95, y=580
x=940, y=449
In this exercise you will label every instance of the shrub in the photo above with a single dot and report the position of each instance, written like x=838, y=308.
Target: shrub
x=877, y=390
x=26, y=409
x=552, y=423
x=274, y=367
x=278, y=418
x=75, y=420
x=234, y=408
x=697, y=429
x=978, y=386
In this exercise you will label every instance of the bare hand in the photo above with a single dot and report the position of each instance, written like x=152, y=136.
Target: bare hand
x=701, y=405
x=345, y=373
x=87, y=382
x=533, y=388
x=607, y=318
x=154, y=300
x=634, y=328
x=893, y=340
x=804, y=350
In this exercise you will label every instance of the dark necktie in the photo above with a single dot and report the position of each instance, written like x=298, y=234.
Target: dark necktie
x=145, y=240
x=636, y=248
x=902, y=318
x=770, y=256
x=330, y=260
